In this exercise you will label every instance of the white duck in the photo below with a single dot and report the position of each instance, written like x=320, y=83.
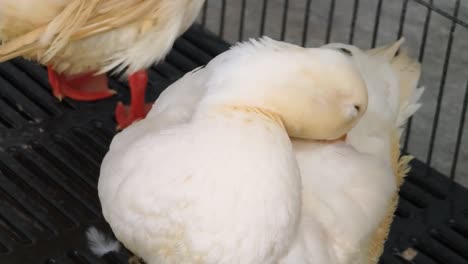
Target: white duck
x=80, y=40
x=391, y=81
x=350, y=189
x=218, y=181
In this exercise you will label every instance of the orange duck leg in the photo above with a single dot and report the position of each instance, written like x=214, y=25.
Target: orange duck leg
x=126, y=115
x=82, y=87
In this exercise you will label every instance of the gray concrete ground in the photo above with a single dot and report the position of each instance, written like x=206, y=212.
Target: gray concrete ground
x=433, y=56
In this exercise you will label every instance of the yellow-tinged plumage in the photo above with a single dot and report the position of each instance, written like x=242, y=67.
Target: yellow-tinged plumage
x=391, y=77
x=93, y=35
x=408, y=71
x=401, y=168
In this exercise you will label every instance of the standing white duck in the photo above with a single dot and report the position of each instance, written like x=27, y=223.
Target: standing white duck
x=222, y=184
x=350, y=189
x=81, y=40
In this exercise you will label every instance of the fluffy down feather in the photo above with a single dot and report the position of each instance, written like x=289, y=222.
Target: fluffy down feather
x=99, y=243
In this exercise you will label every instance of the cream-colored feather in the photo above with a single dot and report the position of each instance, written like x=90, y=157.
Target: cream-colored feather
x=409, y=72
x=93, y=35
x=59, y=31
x=386, y=51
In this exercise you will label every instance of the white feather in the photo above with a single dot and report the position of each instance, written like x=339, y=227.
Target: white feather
x=99, y=243
x=345, y=195
x=408, y=109
x=195, y=183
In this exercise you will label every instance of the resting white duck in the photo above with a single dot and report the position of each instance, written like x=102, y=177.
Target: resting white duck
x=350, y=189
x=218, y=181
x=81, y=40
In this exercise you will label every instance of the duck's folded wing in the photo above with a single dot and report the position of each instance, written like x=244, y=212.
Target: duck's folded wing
x=78, y=20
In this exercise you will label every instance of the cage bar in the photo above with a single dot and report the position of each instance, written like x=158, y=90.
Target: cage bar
x=376, y=24
x=331, y=14
x=401, y=25
x=263, y=19
x=443, y=79
x=284, y=21
x=305, y=28
x=439, y=11
x=422, y=49
x=223, y=18
x=242, y=20
x=353, y=21
x=461, y=126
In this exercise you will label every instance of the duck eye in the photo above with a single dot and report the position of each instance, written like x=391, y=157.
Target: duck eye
x=346, y=51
